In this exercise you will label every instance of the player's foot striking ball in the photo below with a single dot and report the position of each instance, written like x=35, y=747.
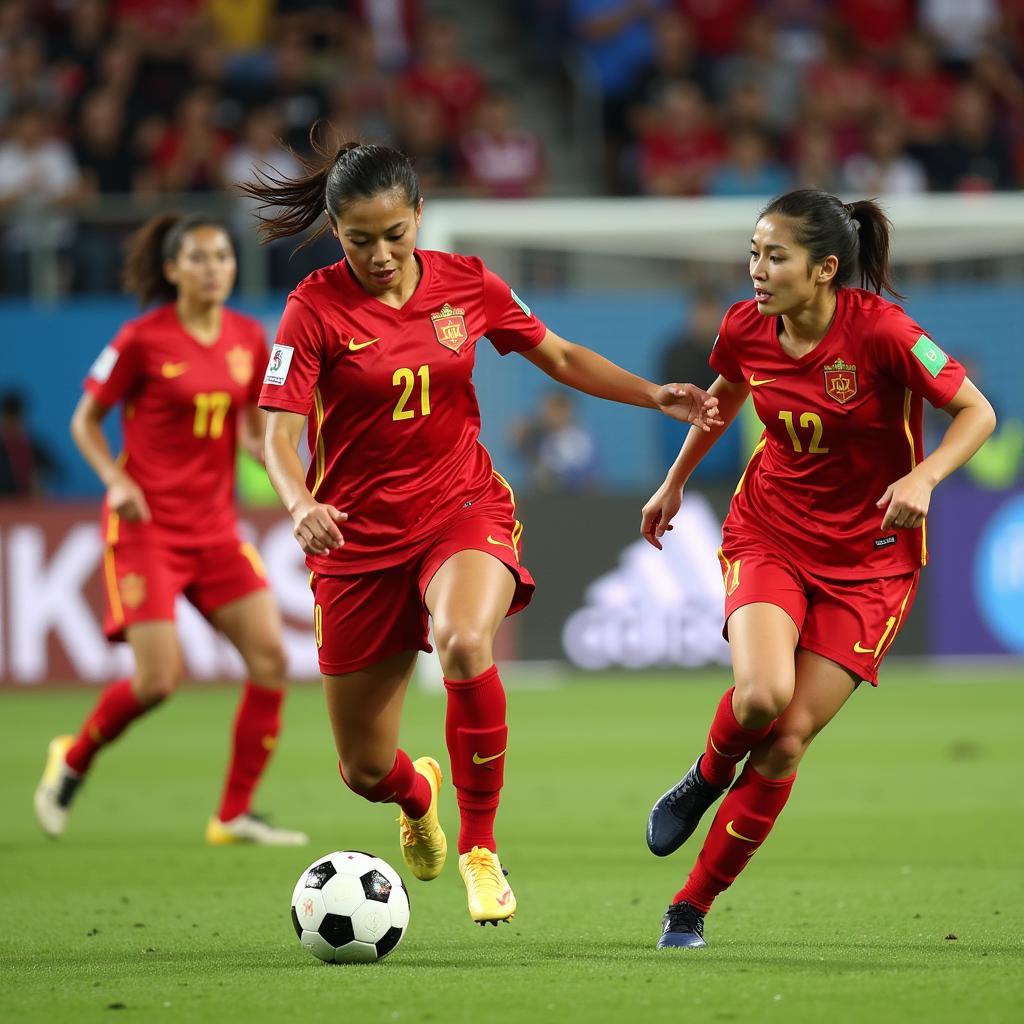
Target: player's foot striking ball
x=251, y=828
x=676, y=814
x=424, y=846
x=56, y=788
x=490, y=896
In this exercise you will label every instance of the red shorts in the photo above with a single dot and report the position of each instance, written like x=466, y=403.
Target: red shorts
x=361, y=619
x=143, y=578
x=850, y=622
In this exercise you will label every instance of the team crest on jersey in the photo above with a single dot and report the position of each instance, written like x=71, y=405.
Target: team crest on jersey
x=133, y=589
x=841, y=381
x=240, y=365
x=450, y=327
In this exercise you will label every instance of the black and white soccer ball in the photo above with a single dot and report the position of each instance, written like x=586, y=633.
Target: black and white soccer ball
x=350, y=907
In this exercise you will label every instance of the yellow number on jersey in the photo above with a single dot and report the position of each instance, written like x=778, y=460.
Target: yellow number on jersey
x=211, y=411
x=404, y=378
x=809, y=421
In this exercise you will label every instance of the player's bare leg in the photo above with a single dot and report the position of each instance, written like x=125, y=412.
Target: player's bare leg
x=158, y=670
x=762, y=639
x=743, y=822
x=468, y=599
x=253, y=625
x=365, y=708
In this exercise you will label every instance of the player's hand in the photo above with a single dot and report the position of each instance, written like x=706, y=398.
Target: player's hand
x=905, y=502
x=316, y=527
x=689, y=404
x=125, y=497
x=659, y=512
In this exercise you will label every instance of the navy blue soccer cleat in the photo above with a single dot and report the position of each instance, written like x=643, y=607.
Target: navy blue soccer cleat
x=682, y=927
x=676, y=815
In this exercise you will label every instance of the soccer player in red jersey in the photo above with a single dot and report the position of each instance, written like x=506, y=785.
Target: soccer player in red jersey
x=825, y=536
x=187, y=375
x=402, y=516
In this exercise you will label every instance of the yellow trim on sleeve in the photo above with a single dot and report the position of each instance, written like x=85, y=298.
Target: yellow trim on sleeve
x=320, y=454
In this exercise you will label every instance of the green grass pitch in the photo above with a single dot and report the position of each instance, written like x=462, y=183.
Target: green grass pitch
x=890, y=891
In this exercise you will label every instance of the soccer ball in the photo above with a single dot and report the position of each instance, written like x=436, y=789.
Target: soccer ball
x=350, y=907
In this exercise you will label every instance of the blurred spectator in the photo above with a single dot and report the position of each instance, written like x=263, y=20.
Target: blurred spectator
x=560, y=452
x=717, y=24
x=799, y=26
x=27, y=79
x=440, y=72
x=190, y=157
x=842, y=91
x=295, y=90
x=421, y=135
x=392, y=27
x=499, y=158
x=75, y=47
x=39, y=181
x=165, y=30
x=757, y=66
x=961, y=26
x=974, y=157
x=920, y=91
x=877, y=26
x=242, y=26
x=364, y=91
x=813, y=158
x=25, y=463
x=884, y=167
x=749, y=169
x=682, y=146
x=675, y=60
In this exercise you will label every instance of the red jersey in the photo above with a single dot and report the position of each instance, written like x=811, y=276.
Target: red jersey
x=180, y=417
x=841, y=424
x=393, y=418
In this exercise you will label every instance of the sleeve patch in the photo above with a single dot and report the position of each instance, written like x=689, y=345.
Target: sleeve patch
x=929, y=355
x=519, y=302
x=280, y=362
x=103, y=367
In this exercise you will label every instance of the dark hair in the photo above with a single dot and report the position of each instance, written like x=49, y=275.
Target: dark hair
x=148, y=248
x=857, y=234
x=333, y=179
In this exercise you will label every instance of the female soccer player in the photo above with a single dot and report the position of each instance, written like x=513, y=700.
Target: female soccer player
x=187, y=375
x=401, y=514
x=825, y=536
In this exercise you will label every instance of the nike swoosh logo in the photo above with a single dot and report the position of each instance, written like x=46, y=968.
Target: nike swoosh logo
x=755, y=383
x=355, y=346
x=170, y=370
x=736, y=835
x=504, y=897
x=863, y=650
x=500, y=543
x=477, y=759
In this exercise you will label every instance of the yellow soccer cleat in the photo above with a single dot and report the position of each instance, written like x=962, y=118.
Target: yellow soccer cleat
x=424, y=846
x=490, y=896
x=251, y=828
x=56, y=788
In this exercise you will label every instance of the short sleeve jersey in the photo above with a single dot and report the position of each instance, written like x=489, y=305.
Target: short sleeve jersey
x=840, y=424
x=393, y=417
x=180, y=401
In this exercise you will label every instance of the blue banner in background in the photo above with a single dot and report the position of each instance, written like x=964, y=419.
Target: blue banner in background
x=975, y=580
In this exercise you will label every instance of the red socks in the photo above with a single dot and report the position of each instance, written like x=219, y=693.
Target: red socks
x=403, y=785
x=741, y=825
x=114, y=711
x=477, y=737
x=257, y=724
x=728, y=744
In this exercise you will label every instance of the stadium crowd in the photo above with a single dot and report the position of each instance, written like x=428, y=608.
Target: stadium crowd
x=144, y=98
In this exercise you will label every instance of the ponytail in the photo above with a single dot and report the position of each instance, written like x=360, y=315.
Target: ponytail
x=146, y=251
x=857, y=234
x=333, y=179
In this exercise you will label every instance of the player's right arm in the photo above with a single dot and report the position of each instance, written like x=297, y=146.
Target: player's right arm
x=315, y=524
x=124, y=496
x=659, y=512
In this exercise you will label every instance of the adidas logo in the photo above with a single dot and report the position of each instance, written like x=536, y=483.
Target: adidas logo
x=656, y=608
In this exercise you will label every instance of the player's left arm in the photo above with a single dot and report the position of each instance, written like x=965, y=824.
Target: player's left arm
x=906, y=500
x=584, y=370
x=252, y=426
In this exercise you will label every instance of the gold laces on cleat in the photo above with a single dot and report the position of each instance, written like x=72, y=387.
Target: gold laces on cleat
x=413, y=831
x=485, y=868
